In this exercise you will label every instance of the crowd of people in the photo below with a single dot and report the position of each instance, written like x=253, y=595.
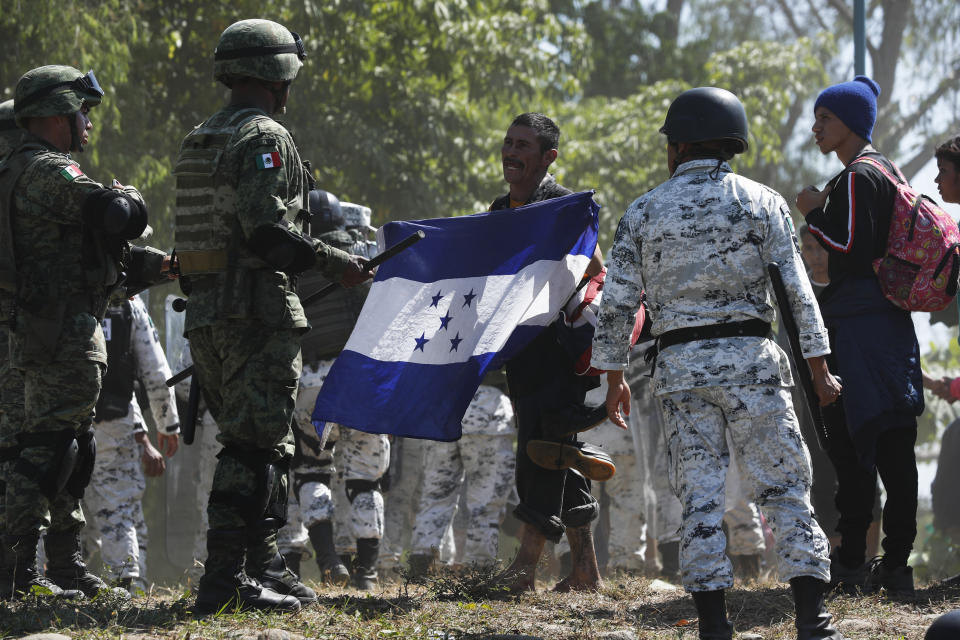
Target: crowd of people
x=714, y=454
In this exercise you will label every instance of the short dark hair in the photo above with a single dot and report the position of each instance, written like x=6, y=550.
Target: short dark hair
x=950, y=151
x=548, y=133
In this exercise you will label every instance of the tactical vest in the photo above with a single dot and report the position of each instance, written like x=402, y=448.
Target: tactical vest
x=11, y=169
x=332, y=317
x=117, y=387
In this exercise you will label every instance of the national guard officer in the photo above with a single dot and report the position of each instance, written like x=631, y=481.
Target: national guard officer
x=484, y=460
x=64, y=249
x=699, y=245
x=361, y=459
x=124, y=451
x=241, y=199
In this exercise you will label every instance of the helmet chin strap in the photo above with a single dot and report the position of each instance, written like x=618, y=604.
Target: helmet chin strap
x=76, y=142
x=278, y=98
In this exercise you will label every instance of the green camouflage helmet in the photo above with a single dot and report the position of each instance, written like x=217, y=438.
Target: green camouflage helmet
x=258, y=49
x=6, y=115
x=54, y=90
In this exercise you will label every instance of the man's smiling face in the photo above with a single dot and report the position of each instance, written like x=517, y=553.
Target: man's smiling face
x=523, y=162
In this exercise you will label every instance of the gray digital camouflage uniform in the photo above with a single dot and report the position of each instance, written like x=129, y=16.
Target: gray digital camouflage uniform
x=357, y=455
x=709, y=388
x=406, y=473
x=113, y=499
x=483, y=458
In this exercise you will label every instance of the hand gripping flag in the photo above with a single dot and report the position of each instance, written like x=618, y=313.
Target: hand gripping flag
x=463, y=300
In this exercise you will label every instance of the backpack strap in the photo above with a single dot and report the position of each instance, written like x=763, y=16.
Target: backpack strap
x=898, y=179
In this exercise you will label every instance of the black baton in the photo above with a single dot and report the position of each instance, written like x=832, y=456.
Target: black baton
x=803, y=371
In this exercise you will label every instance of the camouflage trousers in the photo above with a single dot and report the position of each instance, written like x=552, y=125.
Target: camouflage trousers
x=485, y=463
x=206, y=440
x=763, y=430
x=113, y=501
x=406, y=471
x=57, y=397
x=363, y=457
x=744, y=530
x=249, y=377
x=11, y=413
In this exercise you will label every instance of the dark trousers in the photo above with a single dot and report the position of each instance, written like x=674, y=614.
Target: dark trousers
x=857, y=486
x=550, y=500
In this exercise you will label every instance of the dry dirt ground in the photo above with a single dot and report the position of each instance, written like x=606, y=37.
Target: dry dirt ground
x=456, y=608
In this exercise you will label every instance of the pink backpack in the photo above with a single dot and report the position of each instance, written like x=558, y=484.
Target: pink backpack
x=920, y=269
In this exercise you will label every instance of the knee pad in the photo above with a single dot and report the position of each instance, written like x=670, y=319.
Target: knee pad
x=252, y=508
x=86, y=458
x=353, y=488
x=52, y=477
x=300, y=479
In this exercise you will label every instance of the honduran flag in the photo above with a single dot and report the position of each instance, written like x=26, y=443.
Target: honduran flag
x=439, y=315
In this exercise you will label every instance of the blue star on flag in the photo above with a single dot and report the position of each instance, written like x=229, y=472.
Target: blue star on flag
x=422, y=340
x=468, y=298
x=436, y=299
x=455, y=342
x=445, y=320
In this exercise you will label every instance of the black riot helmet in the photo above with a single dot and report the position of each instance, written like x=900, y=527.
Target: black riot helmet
x=326, y=212
x=706, y=113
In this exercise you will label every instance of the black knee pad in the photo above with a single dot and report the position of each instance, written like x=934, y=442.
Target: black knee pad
x=86, y=458
x=253, y=508
x=53, y=477
x=354, y=488
x=300, y=479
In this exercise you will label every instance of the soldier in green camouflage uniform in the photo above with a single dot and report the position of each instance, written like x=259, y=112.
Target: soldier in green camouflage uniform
x=11, y=382
x=700, y=243
x=241, y=195
x=63, y=248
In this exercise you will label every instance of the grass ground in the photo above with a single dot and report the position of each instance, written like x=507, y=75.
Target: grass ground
x=455, y=608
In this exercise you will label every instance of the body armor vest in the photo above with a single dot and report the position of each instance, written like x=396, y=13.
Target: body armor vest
x=114, y=401
x=204, y=197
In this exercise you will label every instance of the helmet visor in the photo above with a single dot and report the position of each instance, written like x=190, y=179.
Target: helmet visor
x=88, y=84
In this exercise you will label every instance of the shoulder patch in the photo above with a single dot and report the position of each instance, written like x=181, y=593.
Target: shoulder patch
x=269, y=160
x=71, y=172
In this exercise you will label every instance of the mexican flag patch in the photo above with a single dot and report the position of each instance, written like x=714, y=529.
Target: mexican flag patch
x=71, y=172
x=269, y=160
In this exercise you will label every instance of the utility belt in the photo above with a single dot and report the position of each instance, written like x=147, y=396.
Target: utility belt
x=213, y=261
x=756, y=328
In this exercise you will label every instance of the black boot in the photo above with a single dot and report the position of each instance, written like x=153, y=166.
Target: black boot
x=333, y=570
x=712, y=612
x=813, y=621
x=65, y=566
x=265, y=564
x=26, y=575
x=365, y=564
x=225, y=585
x=670, y=560
x=292, y=558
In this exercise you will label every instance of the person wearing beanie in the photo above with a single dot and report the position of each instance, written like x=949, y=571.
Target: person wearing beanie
x=873, y=342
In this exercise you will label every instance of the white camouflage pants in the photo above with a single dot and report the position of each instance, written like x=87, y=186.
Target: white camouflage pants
x=401, y=501
x=113, y=500
x=762, y=427
x=365, y=457
x=486, y=464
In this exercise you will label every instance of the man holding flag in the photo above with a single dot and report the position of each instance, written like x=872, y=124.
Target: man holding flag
x=468, y=298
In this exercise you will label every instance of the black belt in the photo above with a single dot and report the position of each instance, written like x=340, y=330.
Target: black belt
x=757, y=328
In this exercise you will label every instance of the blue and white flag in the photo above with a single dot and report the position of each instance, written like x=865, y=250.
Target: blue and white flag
x=463, y=300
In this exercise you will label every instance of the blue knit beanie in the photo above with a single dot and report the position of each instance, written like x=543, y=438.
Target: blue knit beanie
x=854, y=102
